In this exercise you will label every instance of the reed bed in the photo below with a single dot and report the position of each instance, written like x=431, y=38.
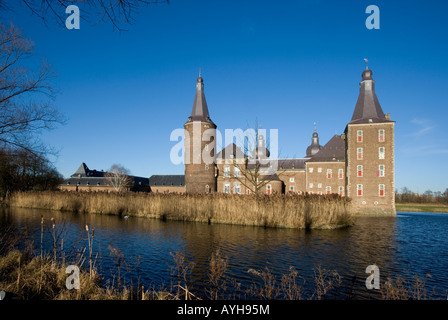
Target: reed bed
x=286, y=211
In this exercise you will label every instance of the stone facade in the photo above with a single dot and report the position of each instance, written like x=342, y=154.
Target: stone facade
x=367, y=177
x=370, y=167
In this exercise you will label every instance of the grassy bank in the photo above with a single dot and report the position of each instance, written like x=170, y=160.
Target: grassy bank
x=27, y=277
x=288, y=211
x=422, y=207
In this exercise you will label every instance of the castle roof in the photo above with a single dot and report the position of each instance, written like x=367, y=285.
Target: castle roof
x=84, y=171
x=167, y=180
x=292, y=164
x=314, y=147
x=368, y=108
x=200, y=109
x=334, y=150
x=231, y=150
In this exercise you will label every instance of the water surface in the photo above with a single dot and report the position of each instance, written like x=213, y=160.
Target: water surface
x=402, y=246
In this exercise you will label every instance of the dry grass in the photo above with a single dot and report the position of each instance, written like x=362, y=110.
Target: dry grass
x=289, y=211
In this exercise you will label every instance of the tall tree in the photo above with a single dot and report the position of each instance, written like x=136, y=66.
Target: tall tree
x=26, y=96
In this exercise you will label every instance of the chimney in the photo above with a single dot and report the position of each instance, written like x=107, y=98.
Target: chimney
x=387, y=115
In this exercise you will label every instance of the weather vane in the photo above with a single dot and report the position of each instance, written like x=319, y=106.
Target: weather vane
x=367, y=63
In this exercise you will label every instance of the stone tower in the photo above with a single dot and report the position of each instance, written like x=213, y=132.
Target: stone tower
x=314, y=147
x=200, y=145
x=370, y=154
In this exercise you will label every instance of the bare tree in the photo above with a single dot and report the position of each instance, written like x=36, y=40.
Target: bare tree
x=118, y=177
x=25, y=96
x=255, y=169
x=117, y=12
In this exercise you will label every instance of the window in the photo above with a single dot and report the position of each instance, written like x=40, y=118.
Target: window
x=380, y=170
x=381, y=153
x=268, y=189
x=206, y=167
x=319, y=185
x=291, y=179
x=319, y=170
x=329, y=173
x=237, y=188
x=359, y=136
x=381, y=135
x=359, y=153
x=359, y=171
x=291, y=188
x=341, y=173
x=226, y=187
x=310, y=170
x=359, y=190
x=341, y=191
x=328, y=189
x=310, y=185
x=206, y=147
x=381, y=190
x=226, y=171
x=207, y=188
x=236, y=172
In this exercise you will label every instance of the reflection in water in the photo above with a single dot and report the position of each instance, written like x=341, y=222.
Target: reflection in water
x=401, y=246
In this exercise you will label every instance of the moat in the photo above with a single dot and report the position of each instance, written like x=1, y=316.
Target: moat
x=403, y=246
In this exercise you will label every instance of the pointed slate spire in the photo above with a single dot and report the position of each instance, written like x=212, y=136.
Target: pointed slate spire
x=368, y=108
x=200, y=109
x=82, y=171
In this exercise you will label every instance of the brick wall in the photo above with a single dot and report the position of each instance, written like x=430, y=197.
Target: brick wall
x=378, y=171
x=199, y=170
x=319, y=180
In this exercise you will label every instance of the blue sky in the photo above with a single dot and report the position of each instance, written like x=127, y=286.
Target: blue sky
x=287, y=64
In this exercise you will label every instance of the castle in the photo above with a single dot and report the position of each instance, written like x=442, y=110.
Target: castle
x=358, y=163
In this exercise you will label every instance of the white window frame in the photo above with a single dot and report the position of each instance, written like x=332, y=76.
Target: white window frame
x=357, y=171
x=319, y=185
x=310, y=185
x=359, y=151
x=310, y=170
x=226, y=171
x=328, y=190
x=382, y=154
x=329, y=172
x=341, y=173
x=359, y=134
x=379, y=190
x=319, y=170
x=381, y=134
x=381, y=172
x=237, y=186
x=226, y=188
x=291, y=179
x=358, y=188
x=236, y=172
